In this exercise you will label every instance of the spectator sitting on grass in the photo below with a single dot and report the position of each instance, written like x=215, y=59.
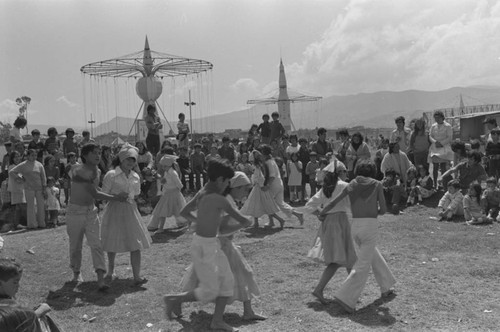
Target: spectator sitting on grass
x=451, y=204
x=10, y=277
x=394, y=189
x=466, y=171
x=472, y=206
x=490, y=199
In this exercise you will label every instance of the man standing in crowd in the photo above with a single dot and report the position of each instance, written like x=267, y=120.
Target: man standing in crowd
x=277, y=129
x=321, y=146
x=401, y=134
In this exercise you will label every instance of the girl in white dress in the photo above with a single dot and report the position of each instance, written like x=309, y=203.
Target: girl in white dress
x=260, y=202
x=294, y=171
x=122, y=229
x=333, y=244
x=171, y=201
x=275, y=187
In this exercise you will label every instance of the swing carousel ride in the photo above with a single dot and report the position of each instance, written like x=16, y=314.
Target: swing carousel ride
x=108, y=85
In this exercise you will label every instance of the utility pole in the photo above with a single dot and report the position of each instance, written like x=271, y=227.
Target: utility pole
x=91, y=126
x=190, y=103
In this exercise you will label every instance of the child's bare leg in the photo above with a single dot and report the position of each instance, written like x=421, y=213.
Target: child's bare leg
x=249, y=314
x=300, y=216
x=173, y=303
x=281, y=220
x=77, y=277
x=326, y=276
x=218, y=320
x=271, y=221
x=135, y=261
x=256, y=222
x=111, y=264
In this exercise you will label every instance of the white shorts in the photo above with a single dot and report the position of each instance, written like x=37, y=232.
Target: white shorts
x=212, y=269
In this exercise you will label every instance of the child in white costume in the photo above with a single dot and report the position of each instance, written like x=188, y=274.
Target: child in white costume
x=52, y=204
x=260, y=202
x=216, y=281
x=333, y=245
x=245, y=286
x=171, y=201
x=122, y=228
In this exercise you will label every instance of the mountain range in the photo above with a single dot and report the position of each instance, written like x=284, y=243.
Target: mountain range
x=373, y=110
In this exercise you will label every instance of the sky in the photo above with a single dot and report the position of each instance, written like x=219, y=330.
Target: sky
x=328, y=47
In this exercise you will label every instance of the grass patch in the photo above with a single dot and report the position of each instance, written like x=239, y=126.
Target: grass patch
x=447, y=273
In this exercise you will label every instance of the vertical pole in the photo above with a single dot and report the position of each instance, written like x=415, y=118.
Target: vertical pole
x=91, y=126
x=190, y=118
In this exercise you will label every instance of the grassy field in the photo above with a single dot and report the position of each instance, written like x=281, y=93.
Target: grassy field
x=448, y=280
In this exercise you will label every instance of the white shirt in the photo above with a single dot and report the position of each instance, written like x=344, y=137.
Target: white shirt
x=52, y=202
x=173, y=180
x=319, y=201
x=116, y=181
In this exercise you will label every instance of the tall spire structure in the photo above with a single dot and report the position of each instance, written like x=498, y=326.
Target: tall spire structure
x=284, y=100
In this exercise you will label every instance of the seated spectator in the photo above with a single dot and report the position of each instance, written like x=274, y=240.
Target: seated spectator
x=425, y=185
x=379, y=156
x=11, y=313
x=226, y=151
x=451, y=204
x=472, y=206
x=490, y=199
x=466, y=172
x=394, y=189
x=411, y=186
x=244, y=165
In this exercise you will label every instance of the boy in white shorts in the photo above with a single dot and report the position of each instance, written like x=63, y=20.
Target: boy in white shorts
x=209, y=261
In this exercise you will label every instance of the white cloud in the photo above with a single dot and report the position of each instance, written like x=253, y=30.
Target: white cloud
x=67, y=102
x=245, y=85
x=8, y=110
x=404, y=44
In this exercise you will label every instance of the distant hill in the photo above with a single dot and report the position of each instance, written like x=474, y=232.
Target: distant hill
x=375, y=110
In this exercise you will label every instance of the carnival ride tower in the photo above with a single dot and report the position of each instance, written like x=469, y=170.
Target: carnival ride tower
x=149, y=68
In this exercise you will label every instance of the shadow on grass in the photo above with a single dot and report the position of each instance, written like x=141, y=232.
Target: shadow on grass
x=167, y=235
x=200, y=321
x=260, y=232
x=372, y=315
x=72, y=294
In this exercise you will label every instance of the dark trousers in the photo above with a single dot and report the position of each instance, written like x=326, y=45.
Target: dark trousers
x=153, y=143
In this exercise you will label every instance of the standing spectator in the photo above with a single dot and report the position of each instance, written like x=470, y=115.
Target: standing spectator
x=182, y=131
x=32, y=175
x=491, y=123
x=344, y=145
x=440, y=153
x=106, y=161
x=197, y=162
x=5, y=159
x=36, y=144
x=51, y=170
x=493, y=153
x=294, y=171
x=358, y=150
x=244, y=165
x=145, y=158
x=242, y=148
x=16, y=190
x=15, y=132
x=252, y=133
x=226, y=151
x=303, y=154
x=69, y=144
x=52, y=202
x=183, y=162
x=86, y=139
x=264, y=129
x=153, y=123
x=277, y=129
x=52, y=144
x=401, y=134
x=419, y=143
x=293, y=147
x=321, y=146
x=311, y=168
x=68, y=175
x=379, y=156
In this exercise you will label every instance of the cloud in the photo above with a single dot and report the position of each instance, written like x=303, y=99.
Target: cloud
x=8, y=110
x=404, y=44
x=67, y=102
x=245, y=85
